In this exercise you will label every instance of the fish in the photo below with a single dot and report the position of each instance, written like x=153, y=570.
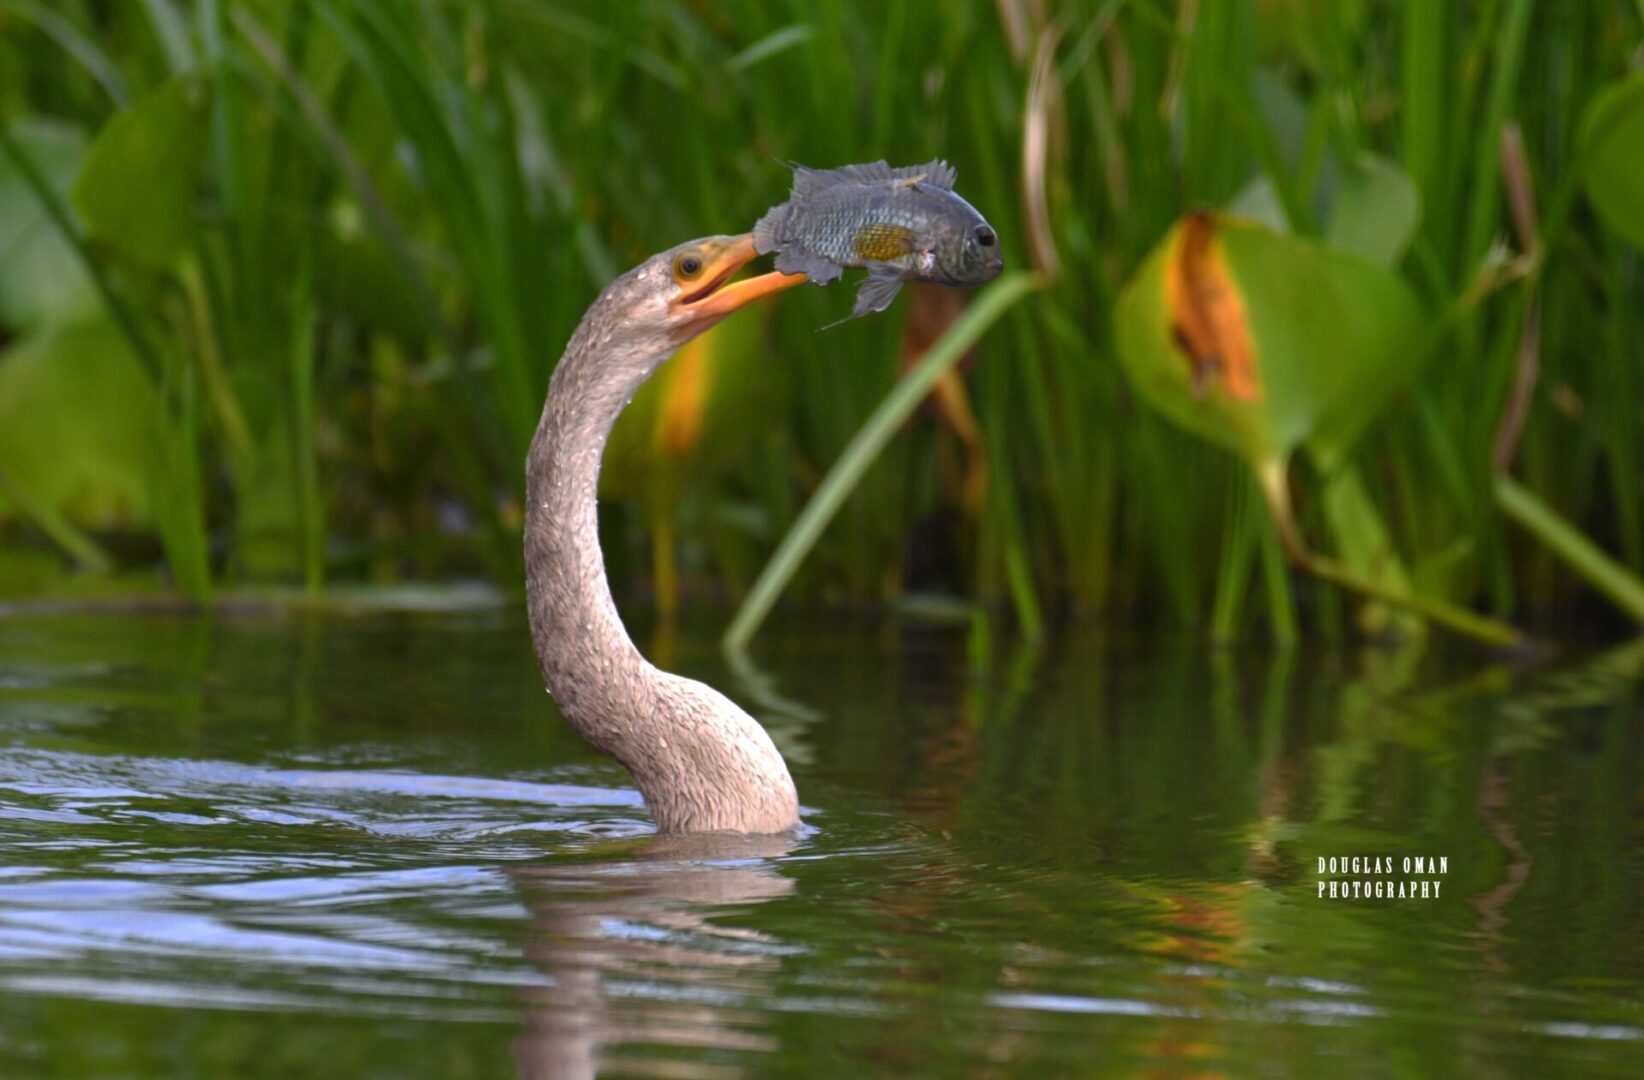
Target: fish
x=901, y=225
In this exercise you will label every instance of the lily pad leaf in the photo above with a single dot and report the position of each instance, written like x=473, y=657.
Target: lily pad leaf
x=1612, y=136
x=1376, y=210
x=41, y=279
x=1262, y=341
x=78, y=420
x=137, y=191
x=1259, y=201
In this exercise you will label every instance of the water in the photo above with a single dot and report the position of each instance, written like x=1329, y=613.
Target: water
x=365, y=847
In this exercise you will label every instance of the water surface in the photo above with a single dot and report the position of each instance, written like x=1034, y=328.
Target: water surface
x=366, y=846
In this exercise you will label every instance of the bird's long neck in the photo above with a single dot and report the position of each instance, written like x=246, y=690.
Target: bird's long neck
x=595, y=673
x=702, y=763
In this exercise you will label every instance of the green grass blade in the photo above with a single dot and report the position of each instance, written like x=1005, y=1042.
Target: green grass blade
x=69, y=38
x=311, y=512
x=180, y=488
x=1618, y=584
x=353, y=172
x=770, y=45
x=860, y=453
x=1281, y=600
x=172, y=34
x=1233, y=577
x=1506, y=60
x=1421, y=111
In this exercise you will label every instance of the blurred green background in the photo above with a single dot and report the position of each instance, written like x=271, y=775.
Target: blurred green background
x=282, y=284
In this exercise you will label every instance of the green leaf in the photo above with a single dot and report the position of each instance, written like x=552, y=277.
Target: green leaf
x=1613, y=143
x=1265, y=342
x=1376, y=210
x=1259, y=201
x=77, y=419
x=1262, y=341
x=41, y=279
x=137, y=191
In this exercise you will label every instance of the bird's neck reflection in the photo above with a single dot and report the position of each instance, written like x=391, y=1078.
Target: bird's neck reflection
x=642, y=949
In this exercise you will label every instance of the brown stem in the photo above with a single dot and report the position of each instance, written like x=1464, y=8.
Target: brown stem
x=1517, y=412
x=1521, y=197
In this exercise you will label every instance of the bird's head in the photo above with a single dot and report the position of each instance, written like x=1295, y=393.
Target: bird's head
x=673, y=296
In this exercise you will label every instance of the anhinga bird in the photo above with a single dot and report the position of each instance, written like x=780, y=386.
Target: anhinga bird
x=700, y=761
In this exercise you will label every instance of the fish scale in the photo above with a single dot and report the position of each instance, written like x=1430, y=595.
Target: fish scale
x=900, y=225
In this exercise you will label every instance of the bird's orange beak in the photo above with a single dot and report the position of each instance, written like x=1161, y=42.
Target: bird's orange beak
x=717, y=295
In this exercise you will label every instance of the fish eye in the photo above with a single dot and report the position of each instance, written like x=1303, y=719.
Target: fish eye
x=985, y=237
x=688, y=266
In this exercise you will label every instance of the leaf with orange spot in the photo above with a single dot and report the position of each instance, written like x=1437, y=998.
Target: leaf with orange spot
x=1263, y=341
x=1208, y=320
x=1337, y=335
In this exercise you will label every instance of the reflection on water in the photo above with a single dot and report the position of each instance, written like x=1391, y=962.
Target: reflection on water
x=643, y=930
x=364, y=846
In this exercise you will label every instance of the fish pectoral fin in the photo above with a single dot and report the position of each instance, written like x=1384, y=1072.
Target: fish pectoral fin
x=878, y=291
x=819, y=270
x=882, y=243
x=876, y=294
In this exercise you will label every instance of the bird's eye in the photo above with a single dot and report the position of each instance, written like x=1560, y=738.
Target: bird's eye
x=688, y=266
x=985, y=237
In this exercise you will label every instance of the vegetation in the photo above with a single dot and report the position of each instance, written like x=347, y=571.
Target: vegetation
x=282, y=285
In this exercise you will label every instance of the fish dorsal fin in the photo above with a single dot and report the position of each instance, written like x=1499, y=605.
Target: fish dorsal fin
x=936, y=174
x=809, y=182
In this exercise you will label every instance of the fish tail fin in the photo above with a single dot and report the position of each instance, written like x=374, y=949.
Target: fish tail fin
x=767, y=231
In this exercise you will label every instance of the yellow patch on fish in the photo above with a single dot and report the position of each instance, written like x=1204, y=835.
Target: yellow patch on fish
x=882, y=243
